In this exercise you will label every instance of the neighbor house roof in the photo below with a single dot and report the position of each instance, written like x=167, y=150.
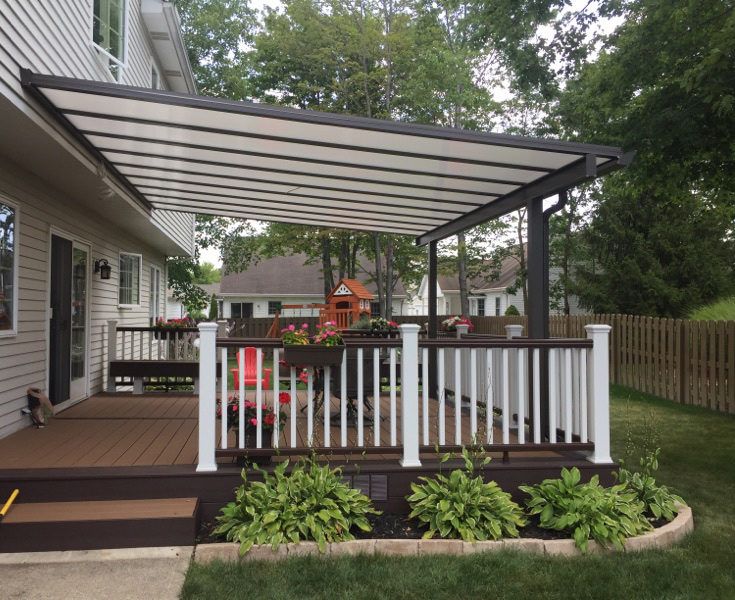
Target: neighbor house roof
x=286, y=276
x=506, y=277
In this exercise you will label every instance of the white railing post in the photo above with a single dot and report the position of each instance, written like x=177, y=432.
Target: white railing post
x=207, y=396
x=410, y=395
x=598, y=383
x=111, y=352
x=514, y=362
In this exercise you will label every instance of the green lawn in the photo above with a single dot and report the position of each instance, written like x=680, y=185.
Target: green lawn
x=698, y=459
x=722, y=310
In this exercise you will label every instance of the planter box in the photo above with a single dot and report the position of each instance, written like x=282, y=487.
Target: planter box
x=312, y=355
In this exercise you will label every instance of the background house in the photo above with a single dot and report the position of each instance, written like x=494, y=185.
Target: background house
x=487, y=297
x=264, y=287
x=175, y=309
x=63, y=212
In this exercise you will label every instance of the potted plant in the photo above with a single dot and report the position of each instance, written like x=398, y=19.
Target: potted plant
x=450, y=324
x=164, y=326
x=323, y=349
x=377, y=326
x=250, y=412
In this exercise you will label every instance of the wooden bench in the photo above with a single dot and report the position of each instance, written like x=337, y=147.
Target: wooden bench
x=140, y=370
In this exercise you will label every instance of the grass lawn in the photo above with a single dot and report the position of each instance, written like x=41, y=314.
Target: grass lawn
x=698, y=459
x=722, y=310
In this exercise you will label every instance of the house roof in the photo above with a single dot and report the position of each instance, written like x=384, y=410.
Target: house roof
x=357, y=289
x=209, y=288
x=285, y=276
x=214, y=156
x=506, y=277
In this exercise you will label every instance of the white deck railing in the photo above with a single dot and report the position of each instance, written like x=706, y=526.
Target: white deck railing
x=490, y=391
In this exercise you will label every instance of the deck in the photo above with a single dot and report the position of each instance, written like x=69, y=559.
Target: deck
x=124, y=430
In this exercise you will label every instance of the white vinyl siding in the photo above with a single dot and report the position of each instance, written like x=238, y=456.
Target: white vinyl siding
x=56, y=38
x=24, y=356
x=129, y=279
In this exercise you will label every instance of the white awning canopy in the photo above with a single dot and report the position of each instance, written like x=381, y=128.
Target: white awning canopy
x=253, y=161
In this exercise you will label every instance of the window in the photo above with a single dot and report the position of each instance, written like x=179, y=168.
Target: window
x=241, y=310
x=8, y=269
x=497, y=306
x=108, y=32
x=274, y=306
x=375, y=309
x=481, y=307
x=155, y=77
x=130, y=269
x=154, y=296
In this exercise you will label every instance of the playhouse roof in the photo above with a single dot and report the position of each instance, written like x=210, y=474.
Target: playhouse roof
x=354, y=286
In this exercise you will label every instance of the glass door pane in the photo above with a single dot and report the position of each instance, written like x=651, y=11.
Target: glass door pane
x=80, y=268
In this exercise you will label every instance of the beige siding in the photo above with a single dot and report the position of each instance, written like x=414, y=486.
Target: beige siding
x=54, y=37
x=23, y=357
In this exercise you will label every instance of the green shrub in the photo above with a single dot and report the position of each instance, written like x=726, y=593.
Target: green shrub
x=659, y=500
x=309, y=503
x=587, y=510
x=463, y=506
x=512, y=311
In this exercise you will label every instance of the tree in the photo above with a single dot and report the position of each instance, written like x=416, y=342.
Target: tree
x=213, y=313
x=208, y=273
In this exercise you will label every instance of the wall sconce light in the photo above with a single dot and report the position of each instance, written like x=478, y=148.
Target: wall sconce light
x=102, y=267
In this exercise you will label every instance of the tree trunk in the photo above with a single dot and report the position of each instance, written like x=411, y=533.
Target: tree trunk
x=378, y=269
x=464, y=299
x=389, y=283
x=327, y=273
x=522, y=257
x=344, y=255
x=353, y=257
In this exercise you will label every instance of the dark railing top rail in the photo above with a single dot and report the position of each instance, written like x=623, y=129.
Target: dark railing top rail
x=161, y=329
x=350, y=342
x=504, y=343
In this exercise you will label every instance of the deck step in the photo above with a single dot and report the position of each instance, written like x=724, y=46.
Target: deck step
x=41, y=526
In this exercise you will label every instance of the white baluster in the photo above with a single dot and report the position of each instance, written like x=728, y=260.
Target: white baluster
x=568, y=395
x=343, y=402
x=111, y=352
x=441, y=386
x=293, y=407
x=425, y=393
x=223, y=398
x=376, y=395
x=410, y=395
x=458, y=396
x=521, y=387
x=360, y=367
x=506, y=396
x=473, y=393
x=489, y=396
x=326, y=405
x=310, y=406
x=258, y=394
x=241, y=398
x=536, y=396
x=276, y=401
x=583, y=396
x=553, y=391
x=393, y=384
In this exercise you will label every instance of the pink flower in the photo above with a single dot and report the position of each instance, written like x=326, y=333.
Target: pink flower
x=284, y=397
x=270, y=419
x=291, y=327
x=253, y=422
x=250, y=404
x=304, y=326
x=234, y=407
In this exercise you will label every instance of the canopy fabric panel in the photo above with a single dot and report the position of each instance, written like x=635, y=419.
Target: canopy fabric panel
x=253, y=161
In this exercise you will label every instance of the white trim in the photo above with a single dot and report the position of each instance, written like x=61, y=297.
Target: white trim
x=13, y=331
x=121, y=63
x=140, y=280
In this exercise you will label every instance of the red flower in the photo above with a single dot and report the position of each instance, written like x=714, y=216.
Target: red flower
x=253, y=422
x=284, y=397
x=250, y=404
x=270, y=419
x=234, y=407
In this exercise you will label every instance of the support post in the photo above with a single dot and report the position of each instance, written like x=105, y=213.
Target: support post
x=433, y=325
x=410, y=395
x=111, y=352
x=207, y=396
x=598, y=381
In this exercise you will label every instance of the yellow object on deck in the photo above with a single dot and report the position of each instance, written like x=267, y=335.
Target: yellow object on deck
x=9, y=503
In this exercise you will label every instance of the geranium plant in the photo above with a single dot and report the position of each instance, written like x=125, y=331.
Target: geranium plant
x=162, y=323
x=251, y=413
x=328, y=334
x=451, y=323
x=295, y=336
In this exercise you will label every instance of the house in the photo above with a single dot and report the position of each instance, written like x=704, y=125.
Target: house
x=487, y=297
x=264, y=287
x=78, y=246
x=176, y=310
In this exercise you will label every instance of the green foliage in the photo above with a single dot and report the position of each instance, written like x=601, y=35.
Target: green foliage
x=182, y=271
x=208, y=273
x=722, y=310
x=212, y=308
x=512, y=311
x=309, y=503
x=464, y=507
x=587, y=510
x=659, y=500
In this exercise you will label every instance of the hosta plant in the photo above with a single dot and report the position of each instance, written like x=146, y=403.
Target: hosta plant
x=587, y=510
x=309, y=503
x=659, y=500
x=463, y=506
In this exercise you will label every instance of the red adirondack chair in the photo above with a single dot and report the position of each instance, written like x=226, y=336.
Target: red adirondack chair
x=251, y=377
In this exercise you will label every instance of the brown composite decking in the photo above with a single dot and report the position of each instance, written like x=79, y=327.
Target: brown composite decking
x=122, y=430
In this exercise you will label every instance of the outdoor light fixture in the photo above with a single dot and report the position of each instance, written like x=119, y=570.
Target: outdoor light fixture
x=102, y=267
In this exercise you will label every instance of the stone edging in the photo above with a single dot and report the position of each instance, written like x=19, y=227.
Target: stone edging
x=662, y=537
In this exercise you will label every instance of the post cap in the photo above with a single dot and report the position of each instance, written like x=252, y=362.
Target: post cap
x=597, y=328
x=207, y=326
x=410, y=327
